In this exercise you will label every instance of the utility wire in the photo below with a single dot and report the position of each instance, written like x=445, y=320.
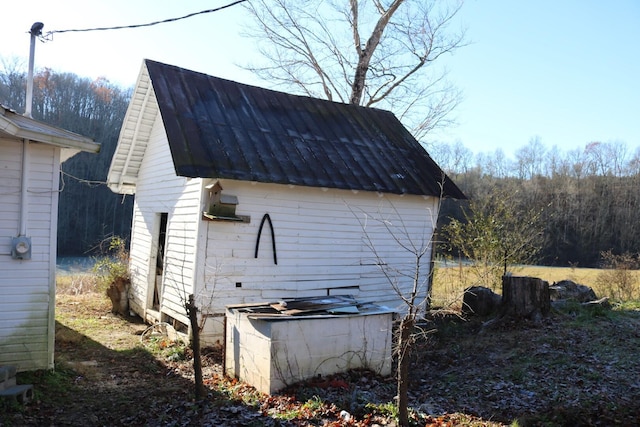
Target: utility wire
x=90, y=183
x=49, y=34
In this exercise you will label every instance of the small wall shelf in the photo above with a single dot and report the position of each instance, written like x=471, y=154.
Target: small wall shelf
x=235, y=218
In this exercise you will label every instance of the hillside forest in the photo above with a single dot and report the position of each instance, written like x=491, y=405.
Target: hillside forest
x=88, y=212
x=578, y=204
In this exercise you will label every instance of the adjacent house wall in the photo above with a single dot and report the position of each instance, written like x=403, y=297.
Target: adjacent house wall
x=27, y=287
x=160, y=190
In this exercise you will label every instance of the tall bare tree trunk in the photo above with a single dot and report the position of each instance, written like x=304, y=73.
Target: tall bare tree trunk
x=366, y=53
x=404, y=346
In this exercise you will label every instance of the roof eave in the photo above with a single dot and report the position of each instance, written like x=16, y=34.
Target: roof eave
x=122, y=174
x=72, y=141
x=85, y=144
x=118, y=188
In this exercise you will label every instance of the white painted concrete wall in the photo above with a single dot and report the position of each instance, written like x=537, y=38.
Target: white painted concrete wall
x=271, y=354
x=27, y=287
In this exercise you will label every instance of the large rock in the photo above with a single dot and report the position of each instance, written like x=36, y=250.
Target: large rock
x=566, y=290
x=480, y=301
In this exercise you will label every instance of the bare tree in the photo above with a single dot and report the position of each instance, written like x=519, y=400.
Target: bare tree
x=409, y=278
x=455, y=159
x=13, y=81
x=606, y=158
x=597, y=159
x=633, y=166
x=553, y=165
x=530, y=159
x=587, y=199
x=372, y=53
x=497, y=165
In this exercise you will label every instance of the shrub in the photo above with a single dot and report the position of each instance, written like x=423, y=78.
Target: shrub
x=113, y=265
x=618, y=277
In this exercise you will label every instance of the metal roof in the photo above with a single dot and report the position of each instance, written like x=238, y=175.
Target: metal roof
x=218, y=128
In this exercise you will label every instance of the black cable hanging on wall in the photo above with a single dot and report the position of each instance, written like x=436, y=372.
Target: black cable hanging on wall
x=266, y=217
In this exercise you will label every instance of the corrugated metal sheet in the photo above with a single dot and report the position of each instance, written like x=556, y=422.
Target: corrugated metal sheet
x=222, y=129
x=340, y=305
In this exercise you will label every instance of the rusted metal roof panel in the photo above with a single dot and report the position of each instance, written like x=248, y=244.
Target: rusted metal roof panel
x=296, y=308
x=217, y=128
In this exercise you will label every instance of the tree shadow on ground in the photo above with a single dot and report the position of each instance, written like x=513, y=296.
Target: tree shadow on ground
x=570, y=369
x=95, y=385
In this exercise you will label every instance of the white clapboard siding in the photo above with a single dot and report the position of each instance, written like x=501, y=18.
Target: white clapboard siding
x=158, y=191
x=10, y=175
x=139, y=252
x=27, y=298
x=324, y=241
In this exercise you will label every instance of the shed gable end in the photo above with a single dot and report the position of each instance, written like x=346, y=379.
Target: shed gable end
x=134, y=137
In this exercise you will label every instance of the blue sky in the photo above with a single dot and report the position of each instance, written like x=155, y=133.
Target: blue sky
x=566, y=72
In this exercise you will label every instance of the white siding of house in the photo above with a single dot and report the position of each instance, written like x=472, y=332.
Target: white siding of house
x=27, y=288
x=324, y=240
x=159, y=190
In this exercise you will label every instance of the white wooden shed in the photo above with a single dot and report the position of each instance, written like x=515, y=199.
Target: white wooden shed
x=30, y=157
x=244, y=194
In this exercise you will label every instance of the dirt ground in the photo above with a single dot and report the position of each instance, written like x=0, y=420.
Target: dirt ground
x=574, y=368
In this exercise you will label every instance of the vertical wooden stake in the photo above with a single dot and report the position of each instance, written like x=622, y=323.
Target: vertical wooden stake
x=192, y=311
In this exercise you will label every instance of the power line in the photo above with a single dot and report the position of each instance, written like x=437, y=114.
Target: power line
x=90, y=183
x=49, y=34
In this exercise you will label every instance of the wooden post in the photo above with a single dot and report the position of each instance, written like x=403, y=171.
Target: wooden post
x=404, y=346
x=192, y=312
x=525, y=297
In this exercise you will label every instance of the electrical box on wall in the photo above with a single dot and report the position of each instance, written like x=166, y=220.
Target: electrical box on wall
x=21, y=247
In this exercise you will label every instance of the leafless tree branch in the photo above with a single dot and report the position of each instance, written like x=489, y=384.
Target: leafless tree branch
x=369, y=52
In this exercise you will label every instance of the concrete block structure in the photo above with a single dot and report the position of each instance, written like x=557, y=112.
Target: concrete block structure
x=271, y=350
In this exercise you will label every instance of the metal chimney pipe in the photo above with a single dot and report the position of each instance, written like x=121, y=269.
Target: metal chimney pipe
x=36, y=30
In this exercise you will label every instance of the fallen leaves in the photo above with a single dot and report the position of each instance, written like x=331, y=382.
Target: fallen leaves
x=563, y=372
